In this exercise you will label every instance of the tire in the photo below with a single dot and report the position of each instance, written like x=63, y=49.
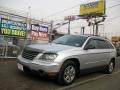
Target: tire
x=110, y=67
x=67, y=73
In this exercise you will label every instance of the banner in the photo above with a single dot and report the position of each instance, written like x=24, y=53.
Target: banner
x=97, y=7
x=12, y=28
x=38, y=31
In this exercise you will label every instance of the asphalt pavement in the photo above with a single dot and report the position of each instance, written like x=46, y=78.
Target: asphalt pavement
x=13, y=79
x=108, y=82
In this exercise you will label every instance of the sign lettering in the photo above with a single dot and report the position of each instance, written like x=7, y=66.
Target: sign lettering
x=97, y=7
x=13, y=28
x=39, y=31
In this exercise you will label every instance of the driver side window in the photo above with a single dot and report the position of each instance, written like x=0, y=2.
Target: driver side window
x=90, y=44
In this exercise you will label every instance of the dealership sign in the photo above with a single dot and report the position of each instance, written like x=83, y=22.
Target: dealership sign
x=38, y=31
x=115, y=38
x=12, y=28
x=97, y=7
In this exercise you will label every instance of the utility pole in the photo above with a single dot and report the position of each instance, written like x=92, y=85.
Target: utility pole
x=69, y=18
x=82, y=30
x=69, y=27
x=96, y=33
x=93, y=29
x=50, y=32
x=96, y=23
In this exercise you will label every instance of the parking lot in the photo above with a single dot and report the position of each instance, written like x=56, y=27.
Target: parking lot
x=13, y=79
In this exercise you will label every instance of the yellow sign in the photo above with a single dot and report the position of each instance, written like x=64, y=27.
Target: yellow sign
x=93, y=7
x=6, y=31
x=115, y=38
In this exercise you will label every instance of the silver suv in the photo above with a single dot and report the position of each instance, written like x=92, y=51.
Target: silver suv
x=68, y=56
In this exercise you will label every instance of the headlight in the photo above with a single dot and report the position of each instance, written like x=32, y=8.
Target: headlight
x=48, y=57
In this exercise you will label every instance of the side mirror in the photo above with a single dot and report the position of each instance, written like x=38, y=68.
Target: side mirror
x=89, y=47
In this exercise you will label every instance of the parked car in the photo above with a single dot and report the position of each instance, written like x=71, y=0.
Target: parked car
x=68, y=56
x=8, y=49
x=118, y=51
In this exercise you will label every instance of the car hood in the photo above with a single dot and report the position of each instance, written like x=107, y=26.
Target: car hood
x=51, y=47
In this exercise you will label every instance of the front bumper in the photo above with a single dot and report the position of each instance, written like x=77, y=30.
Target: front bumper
x=37, y=65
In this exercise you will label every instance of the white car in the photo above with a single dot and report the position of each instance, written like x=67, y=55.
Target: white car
x=68, y=56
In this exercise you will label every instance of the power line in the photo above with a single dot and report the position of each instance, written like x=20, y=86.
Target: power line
x=63, y=10
x=106, y=8
x=113, y=18
x=74, y=7
x=60, y=11
x=87, y=25
x=105, y=21
x=97, y=11
x=113, y=6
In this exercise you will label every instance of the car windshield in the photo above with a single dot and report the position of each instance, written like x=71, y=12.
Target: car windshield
x=71, y=40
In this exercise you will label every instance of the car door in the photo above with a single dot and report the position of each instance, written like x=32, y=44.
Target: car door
x=92, y=55
x=104, y=51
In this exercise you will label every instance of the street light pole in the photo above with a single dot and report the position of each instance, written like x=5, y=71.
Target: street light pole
x=96, y=33
x=82, y=30
x=69, y=27
x=96, y=23
x=93, y=29
x=69, y=18
x=50, y=32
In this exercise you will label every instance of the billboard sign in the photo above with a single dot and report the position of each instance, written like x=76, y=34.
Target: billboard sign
x=38, y=31
x=97, y=7
x=115, y=38
x=71, y=18
x=12, y=28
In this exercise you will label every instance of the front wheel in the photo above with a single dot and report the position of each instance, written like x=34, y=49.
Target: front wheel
x=67, y=73
x=109, y=69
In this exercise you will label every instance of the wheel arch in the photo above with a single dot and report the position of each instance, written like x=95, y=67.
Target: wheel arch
x=76, y=61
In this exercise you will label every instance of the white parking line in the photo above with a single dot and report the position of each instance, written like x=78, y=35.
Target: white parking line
x=86, y=81
x=118, y=71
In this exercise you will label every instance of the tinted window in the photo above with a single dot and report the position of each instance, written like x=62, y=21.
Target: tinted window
x=91, y=43
x=102, y=44
x=72, y=40
x=99, y=44
x=109, y=45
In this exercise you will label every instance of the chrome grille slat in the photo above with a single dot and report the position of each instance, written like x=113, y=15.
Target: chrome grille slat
x=29, y=54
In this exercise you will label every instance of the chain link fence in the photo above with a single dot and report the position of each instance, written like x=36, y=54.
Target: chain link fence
x=15, y=32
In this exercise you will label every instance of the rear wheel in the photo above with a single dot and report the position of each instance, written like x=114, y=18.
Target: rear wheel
x=109, y=69
x=67, y=73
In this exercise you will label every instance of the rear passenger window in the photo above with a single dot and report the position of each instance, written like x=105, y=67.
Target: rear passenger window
x=109, y=44
x=101, y=44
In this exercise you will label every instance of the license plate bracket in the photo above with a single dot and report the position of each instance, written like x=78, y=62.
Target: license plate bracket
x=20, y=66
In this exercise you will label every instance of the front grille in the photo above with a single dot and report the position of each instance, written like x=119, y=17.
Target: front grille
x=29, y=54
